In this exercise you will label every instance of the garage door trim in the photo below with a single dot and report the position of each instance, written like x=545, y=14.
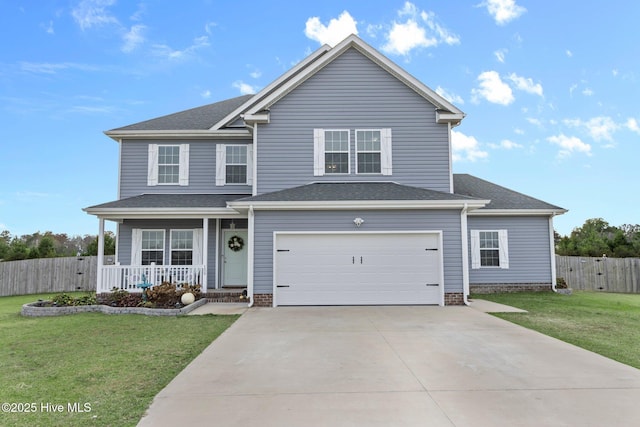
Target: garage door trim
x=437, y=233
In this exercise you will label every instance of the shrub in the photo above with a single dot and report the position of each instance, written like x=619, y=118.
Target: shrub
x=561, y=283
x=167, y=295
x=120, y=298
x=62, y=300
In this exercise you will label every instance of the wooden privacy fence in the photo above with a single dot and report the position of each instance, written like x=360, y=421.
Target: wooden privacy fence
x=43, y=275
x=600, y=274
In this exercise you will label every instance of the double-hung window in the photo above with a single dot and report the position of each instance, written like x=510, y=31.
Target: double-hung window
x=152, y=247
x=368, y=151
x=336, y=152
x=234, y=164
x=181, y=247
x=489, y=248
x=168, y=165
x=332, y=151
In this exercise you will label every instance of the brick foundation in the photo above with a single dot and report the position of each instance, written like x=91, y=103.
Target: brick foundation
x=263, y=300
x=492, y=288
x=453, y=298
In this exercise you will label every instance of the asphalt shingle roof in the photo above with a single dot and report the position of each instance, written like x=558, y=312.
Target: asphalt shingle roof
x=347, y=191
x=171, y=201
x=501, y=197
x=199, y=118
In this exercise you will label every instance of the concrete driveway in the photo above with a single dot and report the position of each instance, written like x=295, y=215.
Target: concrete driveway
x=394, y=366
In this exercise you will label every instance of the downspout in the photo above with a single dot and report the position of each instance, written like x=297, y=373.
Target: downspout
x=250, y=256
x=552, y=253
x=465, y=254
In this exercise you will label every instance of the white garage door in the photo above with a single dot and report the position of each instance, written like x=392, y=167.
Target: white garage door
x=358, y=268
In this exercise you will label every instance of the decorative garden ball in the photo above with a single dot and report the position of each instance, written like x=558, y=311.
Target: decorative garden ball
x=187, y=298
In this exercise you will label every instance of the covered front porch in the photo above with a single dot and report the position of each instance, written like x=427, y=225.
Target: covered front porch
x=201, y=245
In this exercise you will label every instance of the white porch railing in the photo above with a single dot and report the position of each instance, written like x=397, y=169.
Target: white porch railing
x=128, y=277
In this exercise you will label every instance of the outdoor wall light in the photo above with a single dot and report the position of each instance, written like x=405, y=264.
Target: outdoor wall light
x=358, y=222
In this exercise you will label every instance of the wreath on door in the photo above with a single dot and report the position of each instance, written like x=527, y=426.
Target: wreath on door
x=235, y=243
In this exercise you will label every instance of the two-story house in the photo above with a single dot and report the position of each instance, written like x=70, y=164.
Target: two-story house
x=332, y=185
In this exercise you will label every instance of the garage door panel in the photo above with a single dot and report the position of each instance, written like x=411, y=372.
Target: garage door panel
x=373, y=268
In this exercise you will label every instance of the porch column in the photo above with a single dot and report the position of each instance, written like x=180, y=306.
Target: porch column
x=100, y=253
x=205, y=251
x=552, y=253
x=464, y=234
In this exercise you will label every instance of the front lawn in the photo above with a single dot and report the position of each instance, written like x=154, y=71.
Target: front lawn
x=605, y=323
x=92, y=369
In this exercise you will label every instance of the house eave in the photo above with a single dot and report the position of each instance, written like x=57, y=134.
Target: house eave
x=447, y=117
x=118, y=135
x=118, y=214
x=358, y=204
x=518, y=212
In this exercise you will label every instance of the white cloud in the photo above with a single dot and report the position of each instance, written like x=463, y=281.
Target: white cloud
x=332, y=34
x=599, y=128
x=208, y=27
x=632, y=125
x=255, y=74
x=466, y=148
x=500, y=54
x=89, y=13
x=587, y=92
x=49, y=28
x=506, y=144
x=419, y=30
x=133, y=38
x=569, y=53
x=534, y=121
x=173, y=54
x=451, y=97
x=569, y=144
x=615, y=72
x=244, y=88
x=493, y=89
x=503, y=11
x=53, y=68
x=526, y=84
x=206, y=94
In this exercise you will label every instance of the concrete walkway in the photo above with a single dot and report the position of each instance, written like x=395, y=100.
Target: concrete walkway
x=394, y=366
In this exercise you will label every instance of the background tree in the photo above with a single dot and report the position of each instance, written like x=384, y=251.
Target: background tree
x=109, y=245
x=597, y=237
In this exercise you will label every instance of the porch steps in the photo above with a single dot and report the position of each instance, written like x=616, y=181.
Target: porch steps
x=234, y=295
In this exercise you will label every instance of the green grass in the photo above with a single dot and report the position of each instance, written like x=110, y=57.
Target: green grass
x=114, y=363
x=605, y=323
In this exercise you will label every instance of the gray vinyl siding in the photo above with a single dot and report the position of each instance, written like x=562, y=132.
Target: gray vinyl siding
x=266, y=222
x=124, y=240
x=529, y=251
x=202, y=169
x=352, y=93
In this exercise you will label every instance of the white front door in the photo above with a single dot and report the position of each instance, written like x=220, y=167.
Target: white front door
x=234, y=258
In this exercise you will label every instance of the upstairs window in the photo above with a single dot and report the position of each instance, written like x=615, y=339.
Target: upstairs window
x=234, y=164
x=489, y=249
x=332, y=151
x=336, y=151
x=168, y=165
x=368, y=151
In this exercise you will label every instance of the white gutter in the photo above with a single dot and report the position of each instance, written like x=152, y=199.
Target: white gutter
x=250, y=246
x=362, y=204
x=177, y=134
x=465, y=254
x=552, y=253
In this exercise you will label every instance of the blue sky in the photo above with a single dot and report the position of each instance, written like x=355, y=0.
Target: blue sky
x=550, y=88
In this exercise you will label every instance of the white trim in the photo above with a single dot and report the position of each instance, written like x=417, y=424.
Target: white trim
x=465, y=254
x=164, y=243
x=117, y=214
x=322, y=146
x=205, y=252
x=100, y=253
x=178, y=134
x=254, y=184
x=216, y=278
x=135, y=257
x=450, y=154
x=475, y=249
x=503, y=249
x=250, y=254
x=152, y=165
x=250, y=165
x=221, y=160
x=552, y=254
x=517, y=212
x=503, y=237
x=439, y=233
x=386, y=152
x=183, y=165
x=356, y=204
x=119, y=169
x=318, y=152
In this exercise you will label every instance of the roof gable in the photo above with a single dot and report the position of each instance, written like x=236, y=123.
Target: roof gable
x=447, y=112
